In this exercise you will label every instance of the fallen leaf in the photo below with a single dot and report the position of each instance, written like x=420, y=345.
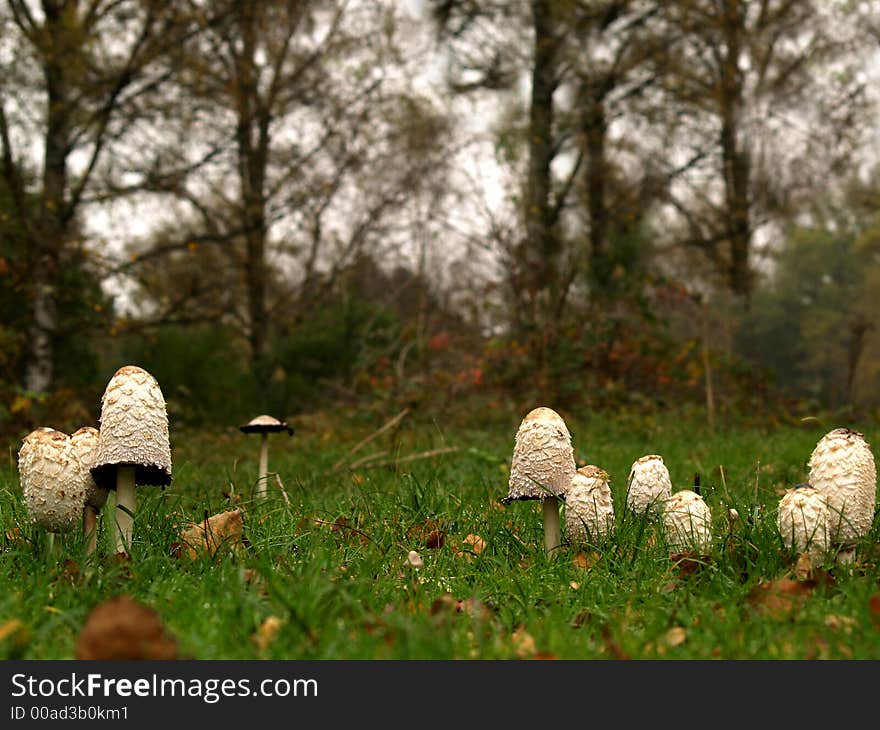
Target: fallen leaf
x=123, y=628
x=780, y=597
x=874, y=606
x=840, y=623
x=803, y=568
x=612, y=646
x=585, y=561
x=471, y=546
x=574, y=585
x=12, y=628
x=435, y=539
x=688, y=563
x=223, y=530
x=523, y=643
x=267, y=632
x=675, y=636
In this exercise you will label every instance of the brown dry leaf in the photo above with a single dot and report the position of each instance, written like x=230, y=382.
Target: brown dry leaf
x=803, y=567
x=523, y=643
x=874, y=606
x=612, y=646
x=840, y=623
x=223, y=530
x=780, y=597
x=675, y=636
x=471, y=546
x=13, y=629
x=688, y=563
x=585, y=561
x=14, y=536
x=435, y=539
x=122, y=628
x=267, y=632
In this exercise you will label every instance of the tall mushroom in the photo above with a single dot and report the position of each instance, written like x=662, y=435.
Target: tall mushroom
x=264, y=425
x=802, y=518
x=133, y=446
x=84, y=442
x=687, y=522
x=648, y=486
x=53, y=495
x=542, y=468
x=589, y=506
x=842, y=468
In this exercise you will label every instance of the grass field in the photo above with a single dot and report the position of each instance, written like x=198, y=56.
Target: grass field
x=329, y=571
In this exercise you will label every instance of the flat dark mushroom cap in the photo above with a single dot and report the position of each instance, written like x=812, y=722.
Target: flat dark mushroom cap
x=265, y=424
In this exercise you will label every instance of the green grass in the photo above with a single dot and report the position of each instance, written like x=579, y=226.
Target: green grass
x=345, y=592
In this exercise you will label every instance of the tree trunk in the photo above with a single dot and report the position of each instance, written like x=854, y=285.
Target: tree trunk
x=52, y=230
x=735, y=159
x=252, y=132
x=542, y=244
x=595, y=128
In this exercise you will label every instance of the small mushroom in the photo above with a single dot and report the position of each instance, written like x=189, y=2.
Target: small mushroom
x=687, y=522
x=542, y=468
x=589, y=507
x=802, y=518
x=53, y=493
x=264, y=425
x=84, y=443
x=842, y=468
x=133, y=445
x=648, y=486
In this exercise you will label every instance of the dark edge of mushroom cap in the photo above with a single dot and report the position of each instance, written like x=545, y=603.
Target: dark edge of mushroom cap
x=145, y=475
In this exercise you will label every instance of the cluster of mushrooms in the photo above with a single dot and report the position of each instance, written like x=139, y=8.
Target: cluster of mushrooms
x=825, y=517
x=66, y=479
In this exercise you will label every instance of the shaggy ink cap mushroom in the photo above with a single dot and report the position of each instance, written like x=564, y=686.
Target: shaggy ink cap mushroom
x=85, y=446
x=649, y=485
x=803, y=518
x=264, y=425
x=84, y=442
x=48, y=470
x=687, y=522
x=133, y=444
x=589, y=507
x=542, y=467
x=842, y=468
x=134, y=430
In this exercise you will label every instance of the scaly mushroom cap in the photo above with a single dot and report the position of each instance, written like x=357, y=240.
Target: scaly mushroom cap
x=687, y=522
x=649, y=485
x=842, y=468
x=49, y=472
x=134, y=430
x=85, y=447
x=543, y=458
x=802, y=518
x=589, y=507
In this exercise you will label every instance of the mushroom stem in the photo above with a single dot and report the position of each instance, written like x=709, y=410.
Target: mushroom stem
x=264, y=465
x=90, y=528
x=552, y=529
x=50, y=543
x=125, y=504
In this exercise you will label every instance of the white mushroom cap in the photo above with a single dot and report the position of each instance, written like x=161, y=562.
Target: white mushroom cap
x=134, y=430
x=48, y=469
x=687, y=522
x=649, y=485
x=802, y=518
x=589, y=507
x=85, y=447
x=842, y=468
x=543, y=457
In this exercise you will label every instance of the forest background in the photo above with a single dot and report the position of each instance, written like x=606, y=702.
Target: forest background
x=464, y=208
